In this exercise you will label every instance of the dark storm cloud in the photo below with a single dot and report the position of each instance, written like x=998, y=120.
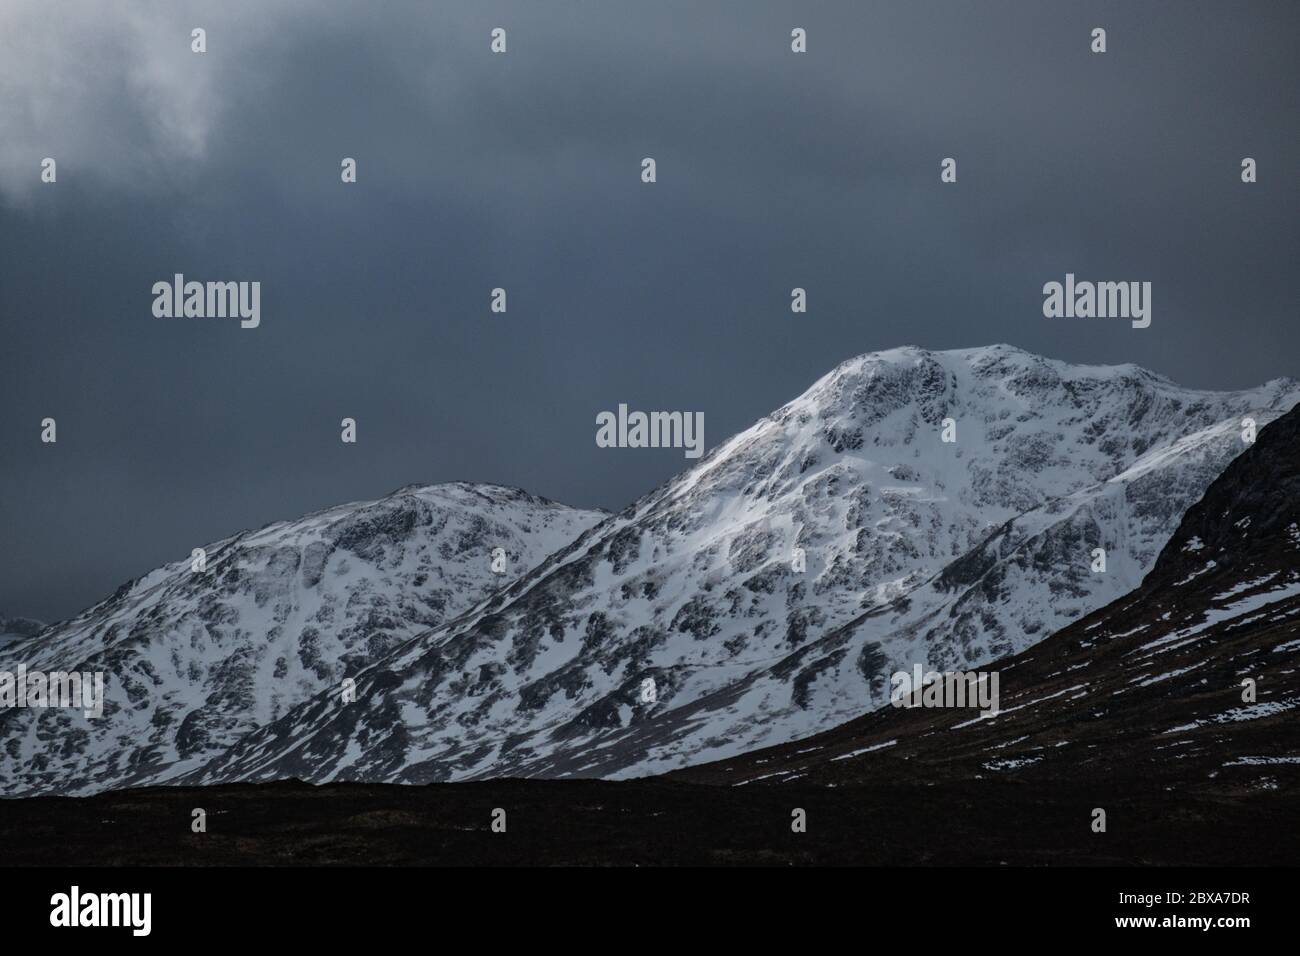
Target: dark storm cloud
x=522, y=171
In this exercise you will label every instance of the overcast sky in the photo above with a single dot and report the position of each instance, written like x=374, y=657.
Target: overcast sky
x=522, y=170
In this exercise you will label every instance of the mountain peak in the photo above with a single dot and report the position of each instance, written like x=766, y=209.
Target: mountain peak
x=1150, y=690
x=198, y=656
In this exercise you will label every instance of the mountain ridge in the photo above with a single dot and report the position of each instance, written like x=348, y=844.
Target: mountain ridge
x=194, y=659
x=689, y=582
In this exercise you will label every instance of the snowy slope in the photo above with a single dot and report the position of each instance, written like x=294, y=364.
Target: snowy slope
x=1148, y=690
x=916, y=550
x=193, y=661
x=1031, y=577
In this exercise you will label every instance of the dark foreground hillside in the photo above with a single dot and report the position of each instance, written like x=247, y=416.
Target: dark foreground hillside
x=653, y=822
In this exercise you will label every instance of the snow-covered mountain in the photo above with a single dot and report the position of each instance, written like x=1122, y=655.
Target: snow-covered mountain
x=193, y=660
x=1188, y=683
x=915, y=550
